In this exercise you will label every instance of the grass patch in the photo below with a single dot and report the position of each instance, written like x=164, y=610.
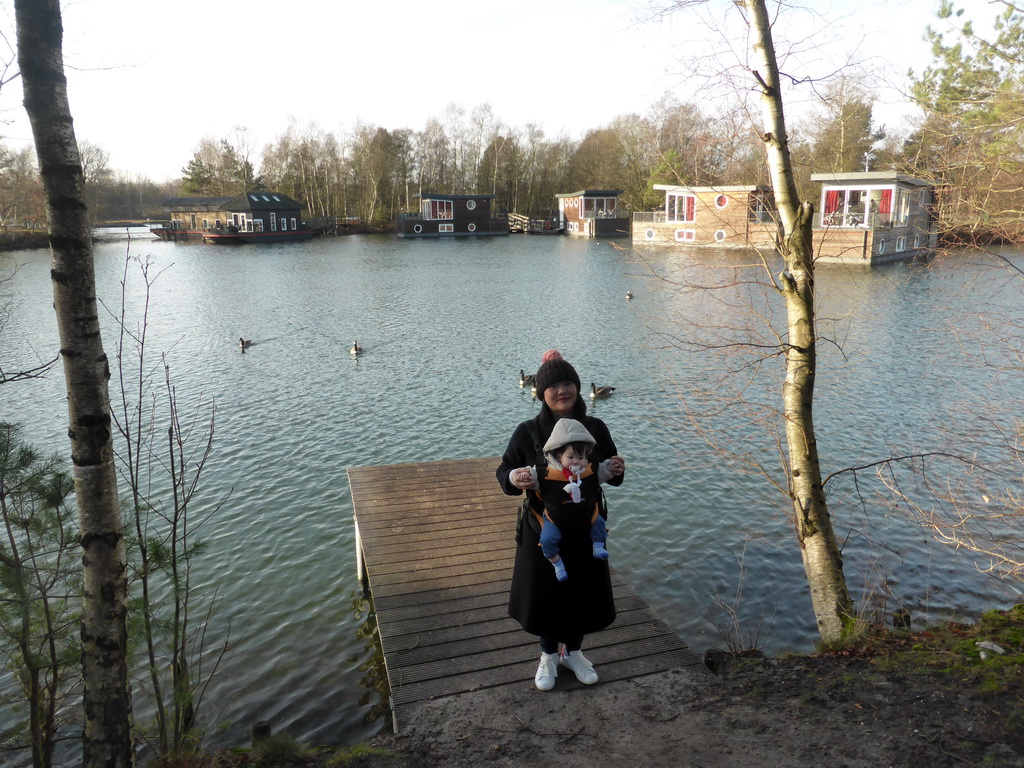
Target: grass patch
x=952, y=649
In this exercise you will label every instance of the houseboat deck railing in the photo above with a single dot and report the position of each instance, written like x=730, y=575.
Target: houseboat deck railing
x=416, y=216
x=854, y=220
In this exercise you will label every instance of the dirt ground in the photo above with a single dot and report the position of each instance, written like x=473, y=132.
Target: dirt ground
x=801, y=712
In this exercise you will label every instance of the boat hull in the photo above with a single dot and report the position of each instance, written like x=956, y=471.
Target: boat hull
x=231, y=238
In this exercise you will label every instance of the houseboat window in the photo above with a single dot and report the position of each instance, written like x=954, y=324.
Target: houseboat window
x=441, y=209
x=686, y=235
x=192, y=216
x=721, y=201
x=901, y=243
x=293, y=224
x=902, y=206
x=273, y=222
x=917, y=241
x=266, y=199
x=832, y=211
x=682, y=208
x=258, y=223
x=599, y=207
x=276, y=198
x=760, y=207
x=445, y=227
x=471, y=205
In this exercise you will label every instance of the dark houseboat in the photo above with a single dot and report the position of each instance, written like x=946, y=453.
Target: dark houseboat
x=452, y=216
x=593, y=213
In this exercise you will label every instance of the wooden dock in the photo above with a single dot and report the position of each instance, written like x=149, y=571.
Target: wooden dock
x=436, y=543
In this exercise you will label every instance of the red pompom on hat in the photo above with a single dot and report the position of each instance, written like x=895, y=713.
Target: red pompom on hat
x=553, y=369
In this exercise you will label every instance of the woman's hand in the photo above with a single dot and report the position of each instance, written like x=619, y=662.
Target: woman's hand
x=522, y=478
x=616, y=465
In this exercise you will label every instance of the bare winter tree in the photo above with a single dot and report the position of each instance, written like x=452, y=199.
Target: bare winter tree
x=823, y=565
x=107, y=705
x=751, y=325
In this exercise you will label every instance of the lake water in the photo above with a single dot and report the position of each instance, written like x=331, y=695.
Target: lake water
x=911, y=364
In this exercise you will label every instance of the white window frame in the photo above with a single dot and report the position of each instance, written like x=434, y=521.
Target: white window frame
x=445, y=227
x=672, y=207
x=445, y=210
x=686, y=235
x=273, y=221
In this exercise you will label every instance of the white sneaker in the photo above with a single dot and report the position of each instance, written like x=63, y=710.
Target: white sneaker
x=546, y=672
x=580, y=665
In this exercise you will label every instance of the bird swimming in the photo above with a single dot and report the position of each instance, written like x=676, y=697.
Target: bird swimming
x=596, y=391
x=525, y=378
x=356, y=349
x=629, y=295
x=244, y=343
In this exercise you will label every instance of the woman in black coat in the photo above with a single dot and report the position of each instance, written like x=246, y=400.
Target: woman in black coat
x=559, y=612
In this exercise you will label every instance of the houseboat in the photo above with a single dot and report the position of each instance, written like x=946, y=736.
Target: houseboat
x=592, y=213
x=873, y=217
x=189, y=217
x=452, y=216
x=723, y=216
x=252, y=217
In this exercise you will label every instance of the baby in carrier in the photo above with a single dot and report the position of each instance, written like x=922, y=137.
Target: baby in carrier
x=569, y=486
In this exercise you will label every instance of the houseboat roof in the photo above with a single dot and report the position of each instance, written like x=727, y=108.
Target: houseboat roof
x=261, y=201
x=593, y=193
x=723, y=188
x=247, y=201
x=435, y=196
x=196, y=203
x=868, y=177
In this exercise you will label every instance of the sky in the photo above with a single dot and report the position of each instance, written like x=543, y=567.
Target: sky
x=147, y=81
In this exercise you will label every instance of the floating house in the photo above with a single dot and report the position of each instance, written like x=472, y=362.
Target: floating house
x=252, y=217
x=452, y=216
x=733, y=216
x=592, y=213
x=873, y=217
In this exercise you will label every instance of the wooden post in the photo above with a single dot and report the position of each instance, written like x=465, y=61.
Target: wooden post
x=261, y=731
x=360, y=562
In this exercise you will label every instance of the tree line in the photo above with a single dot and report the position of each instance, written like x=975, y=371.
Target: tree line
x=968, y=142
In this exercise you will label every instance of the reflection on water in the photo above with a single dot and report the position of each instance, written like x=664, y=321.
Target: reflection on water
x=447, y=325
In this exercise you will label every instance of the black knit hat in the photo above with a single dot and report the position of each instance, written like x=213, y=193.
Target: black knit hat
x=553, y=369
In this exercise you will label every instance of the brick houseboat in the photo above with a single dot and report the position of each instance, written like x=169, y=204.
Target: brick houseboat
x=252, y=217
x=862, y=218
x=592, y=213
x=725, y=216
x=452, y=216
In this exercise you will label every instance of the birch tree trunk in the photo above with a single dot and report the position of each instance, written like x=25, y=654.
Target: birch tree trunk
x=823, y=564
x=107, y=705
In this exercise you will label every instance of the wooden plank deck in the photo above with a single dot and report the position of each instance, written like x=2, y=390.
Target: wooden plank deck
x=437, y=544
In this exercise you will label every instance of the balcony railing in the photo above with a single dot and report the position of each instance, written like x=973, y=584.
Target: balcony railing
x=855, y=220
